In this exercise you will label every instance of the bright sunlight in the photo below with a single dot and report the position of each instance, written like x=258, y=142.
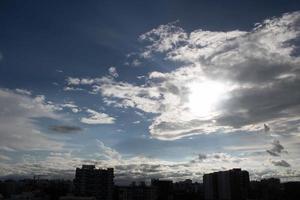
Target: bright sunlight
x=204, y=97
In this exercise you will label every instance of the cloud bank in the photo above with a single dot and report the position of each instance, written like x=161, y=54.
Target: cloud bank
x=136, y=168
x=241, y=79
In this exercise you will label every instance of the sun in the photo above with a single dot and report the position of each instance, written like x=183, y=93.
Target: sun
x=204, y=97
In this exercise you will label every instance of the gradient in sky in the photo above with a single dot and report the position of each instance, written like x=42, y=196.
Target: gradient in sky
x=155, y=89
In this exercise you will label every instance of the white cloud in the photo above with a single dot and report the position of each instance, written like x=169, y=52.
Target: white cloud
x=18, y=115
x=67, y=88
x=5, y=148
x=78, y=81
x=73, y=81
x=86, y=81
x=136, y=62
x=107, y=152
x=23, y=91
x=163, y=38
x=246, y=64
x=5, y=158
x=71, y=105
x=95, y=117
x=113, y=72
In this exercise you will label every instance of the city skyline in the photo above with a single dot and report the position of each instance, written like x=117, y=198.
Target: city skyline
x=154, y=89
x=90, y=183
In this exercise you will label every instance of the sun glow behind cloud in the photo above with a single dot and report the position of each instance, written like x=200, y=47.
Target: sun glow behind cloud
x=204, y=97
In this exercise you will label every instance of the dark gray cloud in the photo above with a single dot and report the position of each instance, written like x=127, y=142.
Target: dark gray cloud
x=202, y=157
x=259, y=104
x=281, y=163
x=276, y=149
x=65, y=129
x=266, y=128
x=217, y=156
x=272, y=153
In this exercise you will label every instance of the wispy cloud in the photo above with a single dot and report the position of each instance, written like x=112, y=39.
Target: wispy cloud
x=23, y=91
x=71, y=105
x=95, y=117
x=5, y=158
x=18, y=114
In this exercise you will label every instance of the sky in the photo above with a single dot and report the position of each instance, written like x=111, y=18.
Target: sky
x=156, y=89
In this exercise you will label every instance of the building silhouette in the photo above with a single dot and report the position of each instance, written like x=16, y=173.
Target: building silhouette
x=136, y=192
x=188, y=190
x=164, y=189
x=92, y=182
x=270, y=189
x=98, y=184
x=291, y=190
x=226, y=185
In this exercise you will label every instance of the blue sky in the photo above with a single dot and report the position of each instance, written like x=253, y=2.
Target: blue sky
x=164, y=89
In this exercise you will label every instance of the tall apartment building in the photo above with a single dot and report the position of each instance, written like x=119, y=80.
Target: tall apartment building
x=92, y=182
x=226, y=185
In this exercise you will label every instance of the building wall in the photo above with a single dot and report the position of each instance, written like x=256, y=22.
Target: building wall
x=224, y=189
x=226, y=185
